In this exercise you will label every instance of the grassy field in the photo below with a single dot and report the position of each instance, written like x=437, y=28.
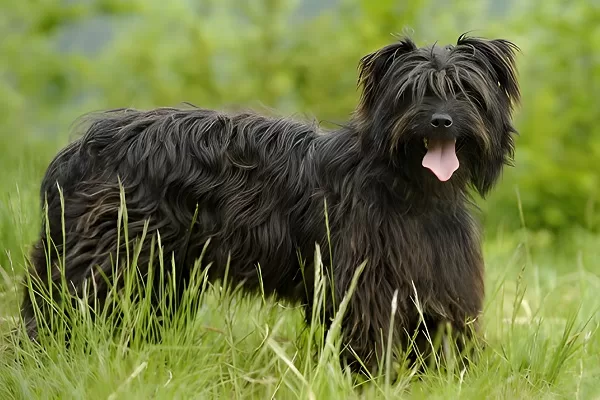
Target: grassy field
x=541, y=325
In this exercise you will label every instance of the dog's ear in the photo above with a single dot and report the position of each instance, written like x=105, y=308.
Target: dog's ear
x=498, y=56
x=487, y=169
x=374, y=66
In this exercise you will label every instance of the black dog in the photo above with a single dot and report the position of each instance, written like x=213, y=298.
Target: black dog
x=431, y=124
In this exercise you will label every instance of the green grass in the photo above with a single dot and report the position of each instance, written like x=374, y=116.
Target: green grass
x=541, y=327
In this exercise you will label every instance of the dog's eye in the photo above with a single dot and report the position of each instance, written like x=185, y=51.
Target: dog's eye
x=474, y=96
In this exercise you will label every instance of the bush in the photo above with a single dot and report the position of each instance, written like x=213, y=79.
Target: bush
x=557, y=161
x=266, y=55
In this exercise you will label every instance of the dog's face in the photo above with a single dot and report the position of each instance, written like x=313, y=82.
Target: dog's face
x=449, y=109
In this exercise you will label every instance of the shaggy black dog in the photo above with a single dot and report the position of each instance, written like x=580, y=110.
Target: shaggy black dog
x=432, y=124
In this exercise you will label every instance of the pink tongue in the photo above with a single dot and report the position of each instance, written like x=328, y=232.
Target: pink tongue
x=441, y=158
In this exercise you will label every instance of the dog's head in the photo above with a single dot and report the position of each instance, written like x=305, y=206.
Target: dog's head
x=446, y=109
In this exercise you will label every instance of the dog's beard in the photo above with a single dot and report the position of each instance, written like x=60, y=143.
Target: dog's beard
x=441, y=157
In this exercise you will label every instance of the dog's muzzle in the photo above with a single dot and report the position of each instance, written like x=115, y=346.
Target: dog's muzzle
x=441, y=156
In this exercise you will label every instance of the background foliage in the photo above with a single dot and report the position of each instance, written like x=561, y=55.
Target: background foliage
x=61, y=59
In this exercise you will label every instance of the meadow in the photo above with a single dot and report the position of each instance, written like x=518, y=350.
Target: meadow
x=542, y=246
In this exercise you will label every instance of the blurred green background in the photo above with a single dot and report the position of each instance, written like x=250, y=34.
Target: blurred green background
x=61, y=59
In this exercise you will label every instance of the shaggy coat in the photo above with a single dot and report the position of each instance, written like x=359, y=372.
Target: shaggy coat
x=259, y=186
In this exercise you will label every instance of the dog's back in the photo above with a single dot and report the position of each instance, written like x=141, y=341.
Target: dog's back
x=242, y=173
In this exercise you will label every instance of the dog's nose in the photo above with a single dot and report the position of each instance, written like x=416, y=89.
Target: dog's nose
x=441, y=121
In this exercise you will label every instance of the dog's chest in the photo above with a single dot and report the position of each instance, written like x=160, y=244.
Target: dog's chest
x=429, y=242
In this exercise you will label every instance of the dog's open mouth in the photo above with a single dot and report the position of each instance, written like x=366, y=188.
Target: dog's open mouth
x=441, y=157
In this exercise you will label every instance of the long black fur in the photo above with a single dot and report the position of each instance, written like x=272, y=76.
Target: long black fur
x=260, y=184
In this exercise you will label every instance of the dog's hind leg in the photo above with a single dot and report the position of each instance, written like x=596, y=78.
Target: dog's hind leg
x=89, y=250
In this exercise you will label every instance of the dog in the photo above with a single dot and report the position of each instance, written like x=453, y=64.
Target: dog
x=392, y=188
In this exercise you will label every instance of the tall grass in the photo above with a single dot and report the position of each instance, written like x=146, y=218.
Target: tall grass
x=541, y=331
